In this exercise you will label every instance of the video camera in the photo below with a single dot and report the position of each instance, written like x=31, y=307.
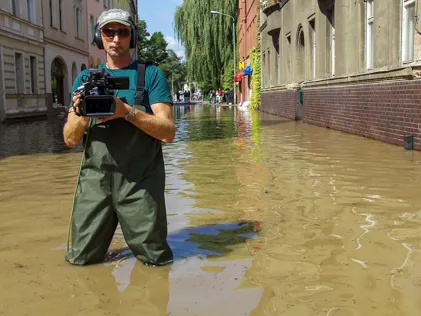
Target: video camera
x=98, y=91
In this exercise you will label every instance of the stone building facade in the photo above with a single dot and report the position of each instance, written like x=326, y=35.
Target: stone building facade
x=349, y=65
x=247, y=30
x=66, y=47
x=22, y=82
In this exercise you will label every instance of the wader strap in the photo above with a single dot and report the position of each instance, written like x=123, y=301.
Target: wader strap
x=140, y=85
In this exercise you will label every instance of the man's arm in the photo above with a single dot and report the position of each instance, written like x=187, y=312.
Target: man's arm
x=75, y=126
x=160, y=125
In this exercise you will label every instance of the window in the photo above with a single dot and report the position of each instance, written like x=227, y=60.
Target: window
x=331, y=18
x=19, y=73
x=313, y=47
x=14, y=8
x=34, y=74
x=60, y=14
x=30, y=5
x=264, y=70
x=269, y=71
x=105, y=3
x=369, y=41
x=92, y=20
x=109, y=4
x=408, y=26
x=288, y=58
x=50, y=4
x=275, y=40
x=78, y=26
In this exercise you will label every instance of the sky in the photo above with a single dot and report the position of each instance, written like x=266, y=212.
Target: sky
x=159, y=17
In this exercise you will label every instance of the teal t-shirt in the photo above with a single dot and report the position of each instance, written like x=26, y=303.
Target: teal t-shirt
x=156, y=85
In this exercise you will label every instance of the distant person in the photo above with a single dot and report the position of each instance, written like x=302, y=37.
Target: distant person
x=221, y=95
x=187, y=96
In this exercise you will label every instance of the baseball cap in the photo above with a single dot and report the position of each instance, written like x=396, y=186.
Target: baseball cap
x=115, y=15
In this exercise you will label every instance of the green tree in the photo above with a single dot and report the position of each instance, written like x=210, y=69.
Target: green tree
x=175, y=70
x=207, y=39
x=142, y=36
x=151, y=48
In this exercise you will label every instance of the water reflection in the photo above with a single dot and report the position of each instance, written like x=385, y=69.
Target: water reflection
x=33, y=137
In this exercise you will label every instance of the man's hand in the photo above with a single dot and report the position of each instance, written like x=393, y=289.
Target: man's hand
x=76, y=125
x=121, y=110
x=77, y=101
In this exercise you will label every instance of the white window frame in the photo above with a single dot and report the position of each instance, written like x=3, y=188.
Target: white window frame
x=369, y=34
x=405, y=35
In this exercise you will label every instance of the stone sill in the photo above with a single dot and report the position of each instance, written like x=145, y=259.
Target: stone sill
x=374, y=76
x=21, y=114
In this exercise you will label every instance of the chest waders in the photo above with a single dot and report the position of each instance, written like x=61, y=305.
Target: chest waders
x=121, y=180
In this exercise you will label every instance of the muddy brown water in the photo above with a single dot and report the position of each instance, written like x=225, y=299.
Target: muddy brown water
x=266, y=217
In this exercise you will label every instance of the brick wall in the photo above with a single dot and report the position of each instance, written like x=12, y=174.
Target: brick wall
x=384, y=111
x=282, y=103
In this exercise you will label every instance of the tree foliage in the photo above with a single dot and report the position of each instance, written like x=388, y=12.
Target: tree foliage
x=207, y=39
x=151, y=48
x=175, y=71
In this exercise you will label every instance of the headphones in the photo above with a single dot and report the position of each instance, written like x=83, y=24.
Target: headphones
x=97, y=40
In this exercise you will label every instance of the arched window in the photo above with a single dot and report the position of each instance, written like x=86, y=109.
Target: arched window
x=301, y=57
x=58, y=79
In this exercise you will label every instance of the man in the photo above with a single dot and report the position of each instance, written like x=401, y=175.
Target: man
x=122, y=177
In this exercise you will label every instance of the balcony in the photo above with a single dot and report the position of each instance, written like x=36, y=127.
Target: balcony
x=272, y=5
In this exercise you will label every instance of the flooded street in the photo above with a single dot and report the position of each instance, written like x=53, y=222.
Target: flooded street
x=266, y=217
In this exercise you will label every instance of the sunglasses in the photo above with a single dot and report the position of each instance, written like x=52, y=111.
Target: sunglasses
x=122, y=33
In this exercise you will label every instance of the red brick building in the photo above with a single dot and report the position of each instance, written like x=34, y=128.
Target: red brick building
x=248, y=10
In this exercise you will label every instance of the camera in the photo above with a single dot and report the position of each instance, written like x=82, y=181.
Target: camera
x=98, y=91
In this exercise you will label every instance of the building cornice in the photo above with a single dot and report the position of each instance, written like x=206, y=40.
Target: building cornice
x=53, y=42
x=4, y=31
x=409, y=72
x=11, y=16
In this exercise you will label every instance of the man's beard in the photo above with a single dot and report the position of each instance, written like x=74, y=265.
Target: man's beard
x=117, y=53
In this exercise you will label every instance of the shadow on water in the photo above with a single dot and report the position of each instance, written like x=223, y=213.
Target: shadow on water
x=202, y=241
